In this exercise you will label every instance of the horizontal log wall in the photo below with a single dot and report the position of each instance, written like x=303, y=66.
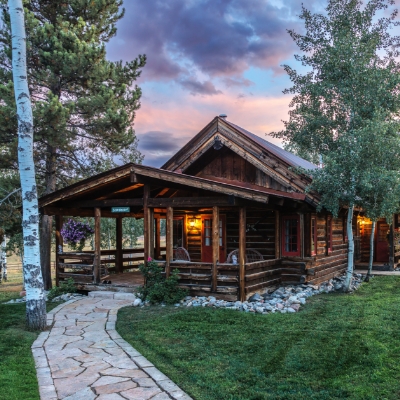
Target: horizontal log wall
x=260, y=233
x=326, y=266
x=261, y=274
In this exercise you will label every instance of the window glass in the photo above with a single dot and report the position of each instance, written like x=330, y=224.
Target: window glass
x=291, y=238
x=313, y=236
x=177, y=233
x=207, y=232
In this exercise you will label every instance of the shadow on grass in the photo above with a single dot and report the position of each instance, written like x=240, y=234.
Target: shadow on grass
x=339, y=346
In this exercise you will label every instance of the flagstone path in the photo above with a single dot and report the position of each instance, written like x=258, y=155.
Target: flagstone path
x=83, y=357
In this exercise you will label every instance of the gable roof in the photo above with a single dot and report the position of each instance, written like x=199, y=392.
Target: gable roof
x=270, y=159
x=112, y=181
x=290, y=158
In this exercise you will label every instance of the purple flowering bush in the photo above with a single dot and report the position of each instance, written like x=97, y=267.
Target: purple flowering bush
x=75, y=233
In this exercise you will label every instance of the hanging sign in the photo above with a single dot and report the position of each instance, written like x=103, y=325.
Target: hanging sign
x=120, y=209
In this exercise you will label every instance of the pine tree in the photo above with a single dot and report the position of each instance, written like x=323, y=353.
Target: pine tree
x=83, y=105
x=352, y=86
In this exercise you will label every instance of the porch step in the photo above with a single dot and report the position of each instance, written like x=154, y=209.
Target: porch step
x=112, y=295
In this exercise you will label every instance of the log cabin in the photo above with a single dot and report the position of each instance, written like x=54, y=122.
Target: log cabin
x=238, y=218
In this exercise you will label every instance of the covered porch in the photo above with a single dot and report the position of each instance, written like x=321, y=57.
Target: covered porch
x=223, y=239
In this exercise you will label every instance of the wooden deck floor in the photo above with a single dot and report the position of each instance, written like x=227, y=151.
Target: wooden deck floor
x=125, y=282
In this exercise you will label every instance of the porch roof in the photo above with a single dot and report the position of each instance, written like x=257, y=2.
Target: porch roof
x=126, y=182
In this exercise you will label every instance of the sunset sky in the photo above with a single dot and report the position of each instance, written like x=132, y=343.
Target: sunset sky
x=207, y=57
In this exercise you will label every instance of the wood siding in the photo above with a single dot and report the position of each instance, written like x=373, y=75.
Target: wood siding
x=227, y=164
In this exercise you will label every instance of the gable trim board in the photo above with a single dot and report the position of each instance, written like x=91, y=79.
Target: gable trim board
x=277, y=164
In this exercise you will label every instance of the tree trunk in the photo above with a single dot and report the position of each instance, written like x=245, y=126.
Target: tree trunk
x=350, y=255
x=4, y=259
x=47, y=220
x=371, y=252
x=35, y=302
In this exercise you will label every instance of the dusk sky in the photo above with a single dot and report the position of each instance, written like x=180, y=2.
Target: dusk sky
x=207, y=57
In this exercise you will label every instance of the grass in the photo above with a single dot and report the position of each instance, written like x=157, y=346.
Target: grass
x=17, y=368
x=339, y=346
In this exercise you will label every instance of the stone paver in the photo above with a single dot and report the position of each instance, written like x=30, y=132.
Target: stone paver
x=84, y=357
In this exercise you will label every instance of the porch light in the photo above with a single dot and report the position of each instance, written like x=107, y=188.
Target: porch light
x=217, y=143
x=192, y=222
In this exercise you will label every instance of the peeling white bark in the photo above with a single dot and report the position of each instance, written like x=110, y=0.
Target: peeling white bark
x=35, y=304
x=3, y=260
x=371, y=253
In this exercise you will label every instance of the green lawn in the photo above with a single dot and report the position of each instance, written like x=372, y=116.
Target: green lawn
x=338, y=346
x=17, y=368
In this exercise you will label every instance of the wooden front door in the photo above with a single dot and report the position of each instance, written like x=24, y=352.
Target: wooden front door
x=206, y=239
x=382, y=245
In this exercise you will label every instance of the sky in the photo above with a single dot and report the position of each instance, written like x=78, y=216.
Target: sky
x=205, y=58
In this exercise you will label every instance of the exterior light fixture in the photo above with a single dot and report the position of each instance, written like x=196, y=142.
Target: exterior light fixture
x=217, y=143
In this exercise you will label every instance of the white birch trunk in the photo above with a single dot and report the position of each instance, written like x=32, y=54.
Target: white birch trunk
x=371, y=252
x=35, y=301
x=4, y=259
x=1, y=262
x=350, y=255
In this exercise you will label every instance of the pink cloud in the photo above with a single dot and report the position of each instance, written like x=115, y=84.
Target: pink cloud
x=182, y=116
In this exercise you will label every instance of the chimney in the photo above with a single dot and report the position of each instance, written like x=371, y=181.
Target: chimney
x=223, y=116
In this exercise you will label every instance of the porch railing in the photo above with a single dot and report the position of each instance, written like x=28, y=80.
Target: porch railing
x=80, y=265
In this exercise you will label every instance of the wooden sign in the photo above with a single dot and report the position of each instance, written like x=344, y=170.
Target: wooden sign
x=120, y=209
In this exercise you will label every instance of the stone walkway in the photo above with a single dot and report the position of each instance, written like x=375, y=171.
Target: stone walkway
x=83, y=357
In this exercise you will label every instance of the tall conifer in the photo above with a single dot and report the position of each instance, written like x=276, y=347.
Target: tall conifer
x=83, y=105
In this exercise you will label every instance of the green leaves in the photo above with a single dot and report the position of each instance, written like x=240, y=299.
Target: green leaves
x=347, y=107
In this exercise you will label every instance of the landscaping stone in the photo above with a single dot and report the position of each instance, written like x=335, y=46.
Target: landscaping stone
x=137, y=302
x=285, y=299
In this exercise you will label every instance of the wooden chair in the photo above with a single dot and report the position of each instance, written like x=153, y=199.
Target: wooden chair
x=251, y=255
x=181, y=254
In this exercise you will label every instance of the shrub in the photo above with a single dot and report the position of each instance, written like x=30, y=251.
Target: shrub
x=158, y=288
x=65, y=287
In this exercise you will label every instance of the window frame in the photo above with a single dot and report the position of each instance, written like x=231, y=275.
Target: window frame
x=314, y=235
x=329, y=234
x=283, y=236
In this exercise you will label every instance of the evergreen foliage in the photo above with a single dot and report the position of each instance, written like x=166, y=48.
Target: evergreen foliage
x=83, y=105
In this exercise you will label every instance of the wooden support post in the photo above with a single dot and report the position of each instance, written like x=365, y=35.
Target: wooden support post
x=169, y=240
x=119, y=267
x=277, y=235
x=242, y=253
x=157, y=254
x=302, y=235
x=151, y=232
x=59, y=245
x=215, y=247
x=146, y=215
x=97, y=242
x=391, y=245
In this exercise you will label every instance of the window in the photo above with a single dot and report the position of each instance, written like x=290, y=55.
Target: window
x=329, y=237
x=177, y=233
x=291, y=235
x=314, y=242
